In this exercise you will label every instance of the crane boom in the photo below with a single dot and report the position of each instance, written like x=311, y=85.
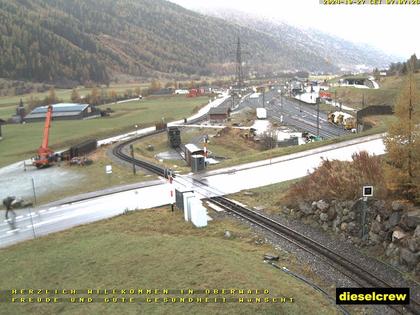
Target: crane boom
x=45, y=154
x=47, y=128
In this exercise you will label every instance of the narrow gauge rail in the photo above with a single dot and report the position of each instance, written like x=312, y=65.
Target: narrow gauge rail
x=347, y=267
x=118, y=151
x=339, y=262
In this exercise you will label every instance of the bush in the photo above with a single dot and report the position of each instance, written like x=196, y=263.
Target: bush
x=340, y=180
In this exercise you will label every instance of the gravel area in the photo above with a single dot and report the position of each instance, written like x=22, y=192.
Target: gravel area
x=15, y=181
x=329, y=276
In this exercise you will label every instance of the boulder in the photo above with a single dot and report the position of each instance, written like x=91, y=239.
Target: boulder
x=409, y=258
x=271, y=257
x=346, y=211
x=314, y=205
x=392, y=250
x=352, y=215
x=394, y=219
x=379, y=205
x=414, y=244
x=412, y=218
x=358, y=206
x=398, y=235
x=351, y=226
x=378, y=218
x=343, y=226
x=323, y=217
x=332, y=213
x=322, y=205
x=305, y=208
x=336, y=224
x=417, y=231
x=325, y=226
x=375, y=227
x=398, y=206
x=375, y=238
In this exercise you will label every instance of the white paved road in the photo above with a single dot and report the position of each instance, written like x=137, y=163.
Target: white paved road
x=219, y=182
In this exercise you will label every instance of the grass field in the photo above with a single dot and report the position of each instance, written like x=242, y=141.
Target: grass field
x=156, y=249
x=237, y=150
x=268, y=197
x=21, y=141
x=228, y=145
x=387, y=94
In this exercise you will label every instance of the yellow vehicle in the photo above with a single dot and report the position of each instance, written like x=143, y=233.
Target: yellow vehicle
x=344, y=119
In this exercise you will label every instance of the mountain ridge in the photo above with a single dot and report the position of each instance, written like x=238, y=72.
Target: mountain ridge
x=94, y=40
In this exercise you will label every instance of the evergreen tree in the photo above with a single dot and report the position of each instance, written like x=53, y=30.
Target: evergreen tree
x=403, y=141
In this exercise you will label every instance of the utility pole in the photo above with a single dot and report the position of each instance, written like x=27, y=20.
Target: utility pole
x=132, y=155
x=317, y=119
x=263, y=95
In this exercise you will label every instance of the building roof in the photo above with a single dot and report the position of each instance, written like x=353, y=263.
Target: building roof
x=221, y=110
x=59, y=110
x=190, y=147
x=62, y=107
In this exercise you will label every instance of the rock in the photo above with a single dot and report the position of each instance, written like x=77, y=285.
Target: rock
x=313, y=205
x=375, y=238
x=271, y=257
x=414, y=244
x=345, y=218
x=409, y=258
x=323, y=217
x=352, y=215
x=356, y=240
x=343, y=226
x=378, y=218
x=397, y=206
x=305, y=208
x=392, y=250
x=412, y=218
x=351, y=226
x=336, y=224
x=345, y=211
x=376, y=227
x=379, y=204
x=358, y=206
x=417, y=231
x=228, y=234
x=325, y=226
x=332, y=213
x=322, y=205
x=248, y=193
x=398, y=235
x=394, y=219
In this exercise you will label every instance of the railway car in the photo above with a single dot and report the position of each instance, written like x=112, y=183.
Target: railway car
x=83, y=148
x=174, y=137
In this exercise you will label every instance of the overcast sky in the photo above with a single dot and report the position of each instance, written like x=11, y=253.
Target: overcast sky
x=391, y=28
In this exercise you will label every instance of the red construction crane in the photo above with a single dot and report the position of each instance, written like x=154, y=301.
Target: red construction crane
x=45, y=154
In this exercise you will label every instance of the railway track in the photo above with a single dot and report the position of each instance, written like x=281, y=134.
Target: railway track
x=348, y=268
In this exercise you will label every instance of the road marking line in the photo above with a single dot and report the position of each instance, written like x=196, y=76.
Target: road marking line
x=42, y=211
x=19, y=217
x=12, y=231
